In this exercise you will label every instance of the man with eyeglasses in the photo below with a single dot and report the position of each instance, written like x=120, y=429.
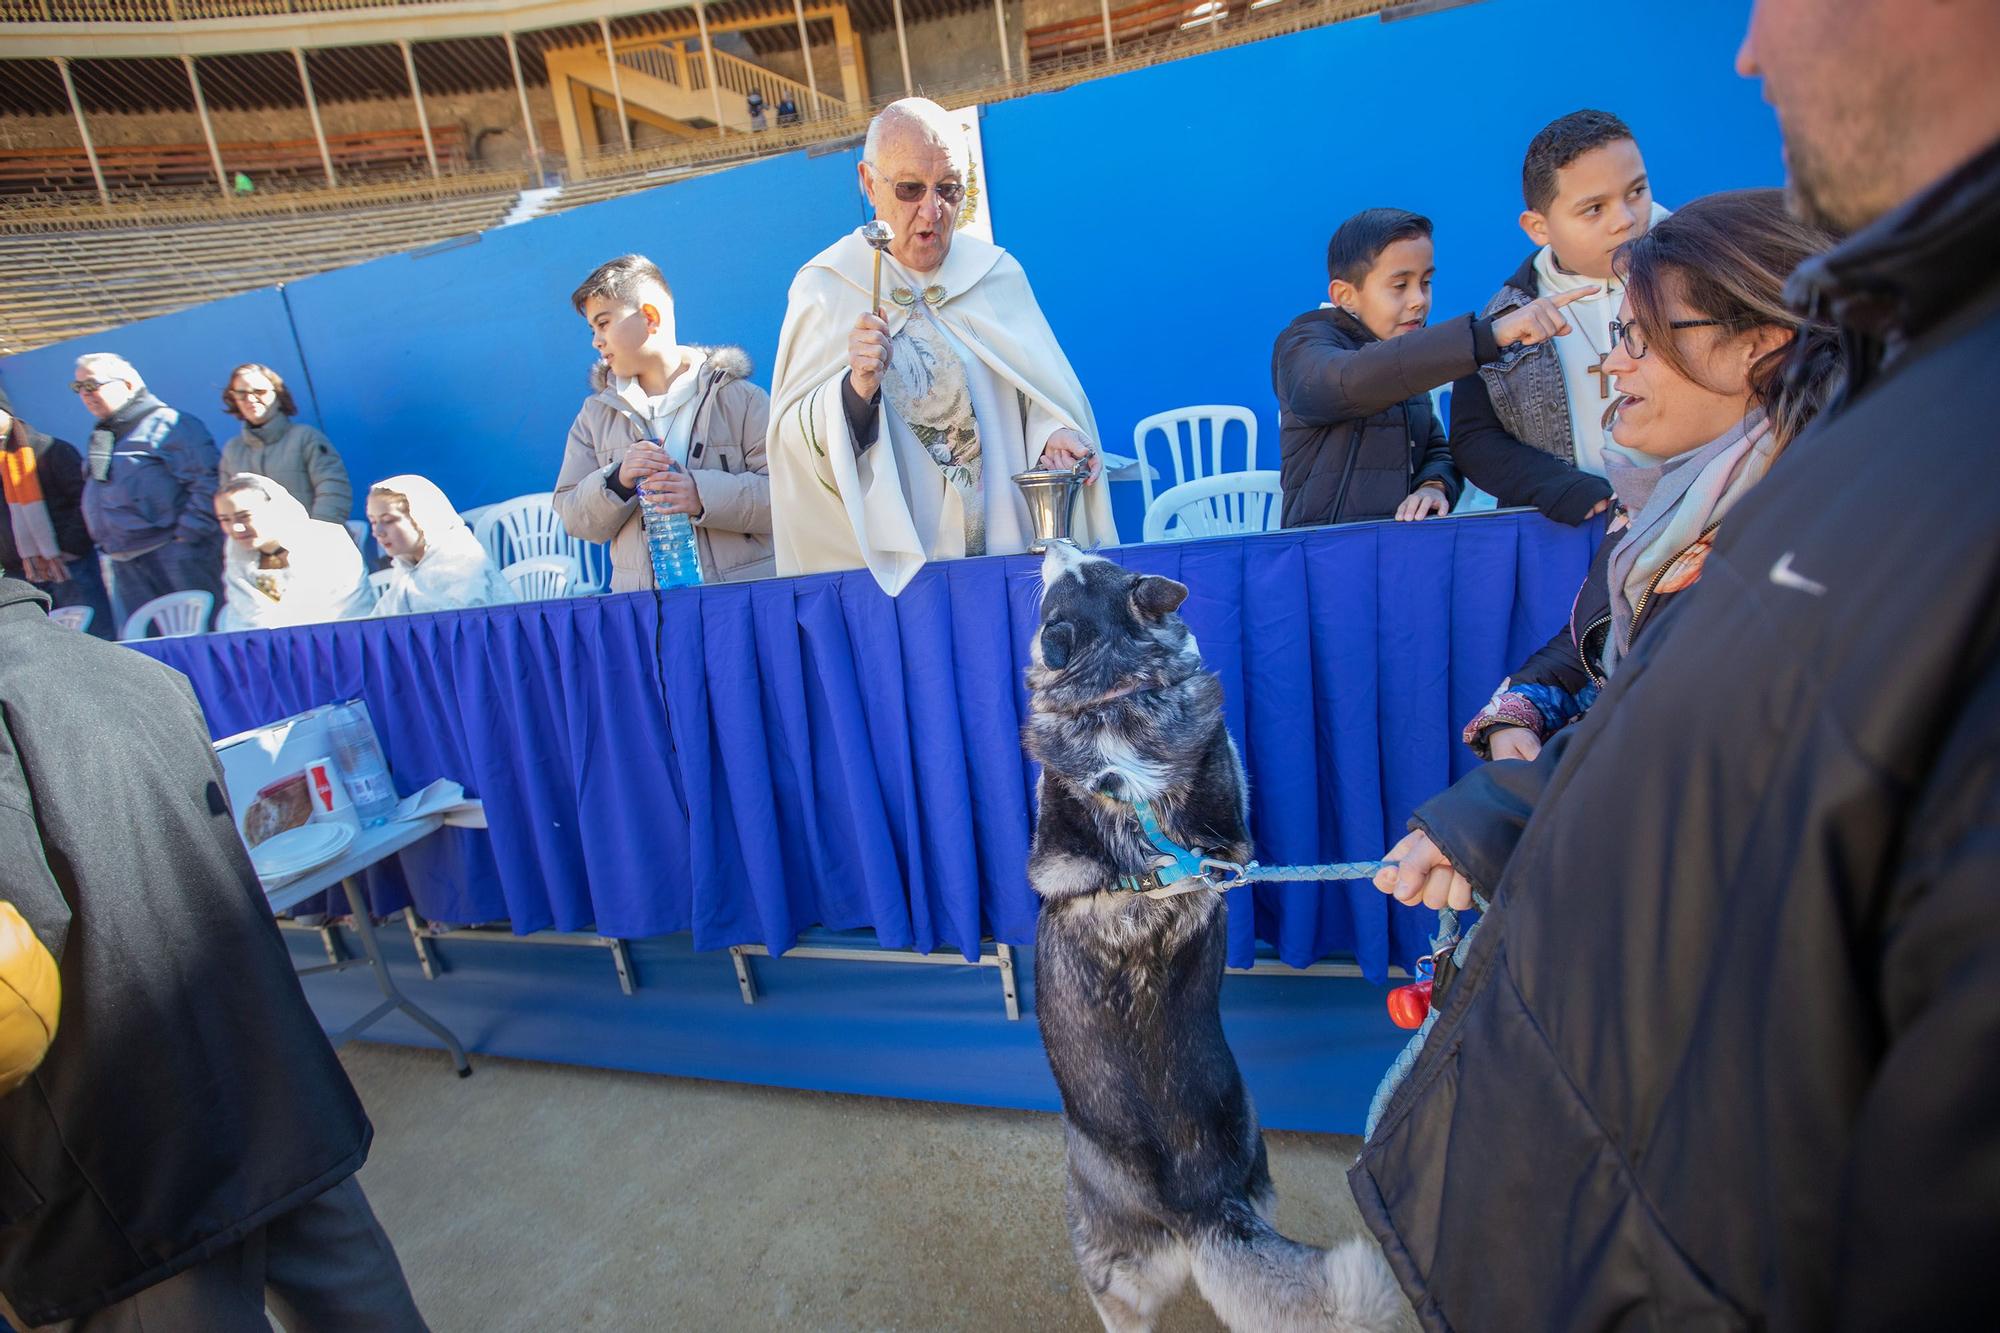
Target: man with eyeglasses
x=148, y=496
x=895, y=433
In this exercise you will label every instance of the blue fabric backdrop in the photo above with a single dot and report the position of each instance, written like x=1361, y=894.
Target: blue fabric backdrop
x=830, y=756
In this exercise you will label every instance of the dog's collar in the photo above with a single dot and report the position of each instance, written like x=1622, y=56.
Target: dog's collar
x=1180, y=869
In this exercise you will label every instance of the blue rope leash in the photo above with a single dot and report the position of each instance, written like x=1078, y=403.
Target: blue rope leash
x=1182, y=870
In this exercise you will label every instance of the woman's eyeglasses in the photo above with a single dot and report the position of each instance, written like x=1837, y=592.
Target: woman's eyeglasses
x=948, y=193
x=1629, y=333
x=245, y=395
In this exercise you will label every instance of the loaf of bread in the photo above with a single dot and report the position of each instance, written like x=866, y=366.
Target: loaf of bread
x=284, y=804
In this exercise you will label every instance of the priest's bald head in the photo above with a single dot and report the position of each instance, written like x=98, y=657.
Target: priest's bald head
x=913, y=172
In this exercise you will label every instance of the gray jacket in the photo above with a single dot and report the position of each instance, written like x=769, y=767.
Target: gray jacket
x=725, y=457
x=1526, y=385
x=297, y=457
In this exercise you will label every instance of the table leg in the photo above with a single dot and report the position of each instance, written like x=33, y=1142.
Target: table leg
x=364, y=926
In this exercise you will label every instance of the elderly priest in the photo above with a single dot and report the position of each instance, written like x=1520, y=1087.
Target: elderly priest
x=895, y=434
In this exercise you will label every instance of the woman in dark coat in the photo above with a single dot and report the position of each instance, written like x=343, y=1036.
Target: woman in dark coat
x=1706, y=294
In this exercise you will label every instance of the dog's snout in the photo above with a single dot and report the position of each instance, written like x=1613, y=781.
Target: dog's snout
x=1061, y=557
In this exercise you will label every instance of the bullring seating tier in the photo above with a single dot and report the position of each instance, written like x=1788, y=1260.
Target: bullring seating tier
x=67, y=170
x=65, y=283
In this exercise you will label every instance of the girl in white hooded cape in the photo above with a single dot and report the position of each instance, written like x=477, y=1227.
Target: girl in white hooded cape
x=438, y=564
x=282, y=566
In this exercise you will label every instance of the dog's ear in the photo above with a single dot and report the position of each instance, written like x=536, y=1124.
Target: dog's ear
x=1154, y=597
x=1058, y=641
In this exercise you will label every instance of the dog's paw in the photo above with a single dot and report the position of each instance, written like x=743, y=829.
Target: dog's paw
x=1362, y=1293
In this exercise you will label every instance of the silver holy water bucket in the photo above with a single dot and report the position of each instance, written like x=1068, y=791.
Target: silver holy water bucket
x=1050, y=495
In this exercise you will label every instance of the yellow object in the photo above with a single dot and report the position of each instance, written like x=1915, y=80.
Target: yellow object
x=30, y=999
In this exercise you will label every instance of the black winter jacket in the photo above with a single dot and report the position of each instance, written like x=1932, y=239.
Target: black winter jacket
x=1345, y=394
x=60, y=468
x=1490, y=457
x=1722, y=1055
x=189, y=1096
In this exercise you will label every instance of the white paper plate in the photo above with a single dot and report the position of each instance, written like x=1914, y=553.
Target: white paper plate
x=298, y=850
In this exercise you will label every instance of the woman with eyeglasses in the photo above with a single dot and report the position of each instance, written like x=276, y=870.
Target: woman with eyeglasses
x=293, y=454
x=1715, y=376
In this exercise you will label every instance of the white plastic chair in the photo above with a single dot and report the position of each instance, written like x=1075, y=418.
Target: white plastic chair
x=1216, y=507
x=1194, y=452
x=77, y=618
x=526, y=526
x=542, y=578
x=174, y=616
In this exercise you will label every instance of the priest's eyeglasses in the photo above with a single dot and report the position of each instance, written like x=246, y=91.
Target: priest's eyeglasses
x=948, y=192
x=1629, y=333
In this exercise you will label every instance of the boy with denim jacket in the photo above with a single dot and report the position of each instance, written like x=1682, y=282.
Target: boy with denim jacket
x=1529, y=428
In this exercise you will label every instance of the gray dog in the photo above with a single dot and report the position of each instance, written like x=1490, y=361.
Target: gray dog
x=1167, y=1173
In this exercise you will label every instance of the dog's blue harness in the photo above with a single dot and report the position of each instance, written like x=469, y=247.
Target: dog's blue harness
x=1185, y=870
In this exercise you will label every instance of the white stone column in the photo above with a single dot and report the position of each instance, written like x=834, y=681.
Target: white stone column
x=1006, y=47
x=312, y=107
x=89, y=148
x=708, y=58
x=806, y=50
x=207, y=126
x=527, y=112
x=617, y=88
x=903, y=49
x=417, y=94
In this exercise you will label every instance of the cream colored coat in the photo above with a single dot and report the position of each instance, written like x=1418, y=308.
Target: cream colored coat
x=889, y=508
x=734, y=530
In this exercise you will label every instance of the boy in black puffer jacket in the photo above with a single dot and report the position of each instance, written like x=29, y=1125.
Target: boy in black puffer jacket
x=1356, y=432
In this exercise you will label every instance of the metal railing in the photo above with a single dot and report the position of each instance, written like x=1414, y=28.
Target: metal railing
x=739, y=76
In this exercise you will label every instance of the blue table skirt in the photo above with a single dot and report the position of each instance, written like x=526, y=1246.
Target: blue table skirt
x=830, y=756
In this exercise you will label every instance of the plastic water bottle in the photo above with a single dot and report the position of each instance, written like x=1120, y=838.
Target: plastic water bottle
x=671, y=541
x=362, y=768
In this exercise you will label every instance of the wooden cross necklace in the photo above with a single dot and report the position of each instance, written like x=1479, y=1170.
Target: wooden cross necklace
x=1603, y=378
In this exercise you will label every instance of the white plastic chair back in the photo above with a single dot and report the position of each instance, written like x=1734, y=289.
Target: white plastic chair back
x=1471, y=500
x=77, y=618
x=1216, y=507
x=526, y=526
x=1193, y=444
x=173, y=616
x=543, y=578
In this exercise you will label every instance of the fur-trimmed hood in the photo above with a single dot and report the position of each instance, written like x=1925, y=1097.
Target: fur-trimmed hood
x=725, y=361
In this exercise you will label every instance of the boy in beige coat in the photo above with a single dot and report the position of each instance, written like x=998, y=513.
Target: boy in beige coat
x=685, y=422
